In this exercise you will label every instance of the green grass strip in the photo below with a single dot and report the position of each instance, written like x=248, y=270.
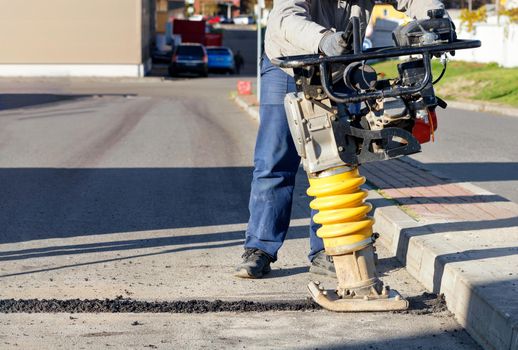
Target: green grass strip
x=466, y=81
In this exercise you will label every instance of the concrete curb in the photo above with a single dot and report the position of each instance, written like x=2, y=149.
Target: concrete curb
x=428, y=258
x=253, y=111
x=484, y=107
x=476, y=308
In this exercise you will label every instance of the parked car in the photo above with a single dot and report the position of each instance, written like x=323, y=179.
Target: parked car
x=189, y=58
x=221, y=59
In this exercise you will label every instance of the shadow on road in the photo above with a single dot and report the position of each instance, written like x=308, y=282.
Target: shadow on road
x=42, y=203
x=63, y=203
x=161, y=71
x=478, y=172
x=14, y=101
x=448, y=339
x=189, y=242
x=74, y=251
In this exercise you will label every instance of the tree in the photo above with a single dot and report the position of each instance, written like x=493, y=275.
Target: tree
x=209, y=7
x=248, y=6
x=463, y=4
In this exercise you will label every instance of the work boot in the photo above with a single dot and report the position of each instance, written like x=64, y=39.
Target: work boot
x=256, y=263
x=322, y=264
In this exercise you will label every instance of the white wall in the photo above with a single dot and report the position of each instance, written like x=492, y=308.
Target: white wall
x=74, y=70
x=499, y=43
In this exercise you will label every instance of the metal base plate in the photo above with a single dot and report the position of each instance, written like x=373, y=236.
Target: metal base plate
x=329, y=300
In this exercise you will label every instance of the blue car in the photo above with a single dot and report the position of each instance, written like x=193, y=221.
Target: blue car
x=221, y=59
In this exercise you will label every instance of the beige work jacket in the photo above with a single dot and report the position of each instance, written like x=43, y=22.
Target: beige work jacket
x=295, y=27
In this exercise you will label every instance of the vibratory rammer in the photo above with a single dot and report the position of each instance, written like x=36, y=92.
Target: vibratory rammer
x=342, y=116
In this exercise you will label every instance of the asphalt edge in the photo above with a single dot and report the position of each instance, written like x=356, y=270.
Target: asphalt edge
x=477, y=106
x=487, y=325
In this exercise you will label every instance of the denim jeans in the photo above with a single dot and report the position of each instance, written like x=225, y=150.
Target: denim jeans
x=276, y=164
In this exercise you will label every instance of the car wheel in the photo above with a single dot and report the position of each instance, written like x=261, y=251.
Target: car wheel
x=172, y=73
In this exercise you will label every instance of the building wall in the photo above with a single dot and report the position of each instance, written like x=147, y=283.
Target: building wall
x=162, y=15
x=71, y=32
x=148, y=29
x=501, y=50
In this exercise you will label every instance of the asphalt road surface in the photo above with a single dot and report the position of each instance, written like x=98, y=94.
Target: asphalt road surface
x=139, y=189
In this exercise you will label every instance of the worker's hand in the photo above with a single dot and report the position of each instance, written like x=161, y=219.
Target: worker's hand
x=333, y=44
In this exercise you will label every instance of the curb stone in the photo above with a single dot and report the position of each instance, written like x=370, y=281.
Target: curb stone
x=477, y=106
x=253, y=111
x=475, y=294
x=478, y=305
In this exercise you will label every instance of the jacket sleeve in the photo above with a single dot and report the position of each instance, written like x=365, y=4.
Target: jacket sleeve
x=418, y=8
x=290, y=21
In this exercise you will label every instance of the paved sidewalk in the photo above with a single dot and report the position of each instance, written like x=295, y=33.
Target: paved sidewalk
x=454, y=238
x=428, y=197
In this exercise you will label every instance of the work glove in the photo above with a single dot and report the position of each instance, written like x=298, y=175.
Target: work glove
x=333, y=44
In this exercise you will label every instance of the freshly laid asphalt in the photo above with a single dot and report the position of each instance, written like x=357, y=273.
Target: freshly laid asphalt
x=138, y=190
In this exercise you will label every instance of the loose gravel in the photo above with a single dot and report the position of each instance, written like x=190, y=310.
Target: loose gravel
x=425, y=303
x=120, y=305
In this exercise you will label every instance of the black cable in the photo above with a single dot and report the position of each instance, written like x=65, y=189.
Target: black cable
x=363, y=75
x=442, y=73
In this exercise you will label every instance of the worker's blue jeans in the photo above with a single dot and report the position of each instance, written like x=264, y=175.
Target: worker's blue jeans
x=276, y=164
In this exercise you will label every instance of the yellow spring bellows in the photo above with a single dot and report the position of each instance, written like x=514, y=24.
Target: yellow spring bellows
x=342, y=211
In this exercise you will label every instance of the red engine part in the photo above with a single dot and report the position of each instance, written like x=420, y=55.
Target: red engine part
x=424, y=128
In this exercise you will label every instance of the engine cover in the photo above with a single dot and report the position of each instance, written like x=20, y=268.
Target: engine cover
x=426, y=31
x=312, y=132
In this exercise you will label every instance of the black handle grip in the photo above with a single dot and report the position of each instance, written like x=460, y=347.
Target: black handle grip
x=436, y=13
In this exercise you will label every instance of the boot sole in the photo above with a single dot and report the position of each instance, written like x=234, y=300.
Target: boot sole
x=243, y=273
